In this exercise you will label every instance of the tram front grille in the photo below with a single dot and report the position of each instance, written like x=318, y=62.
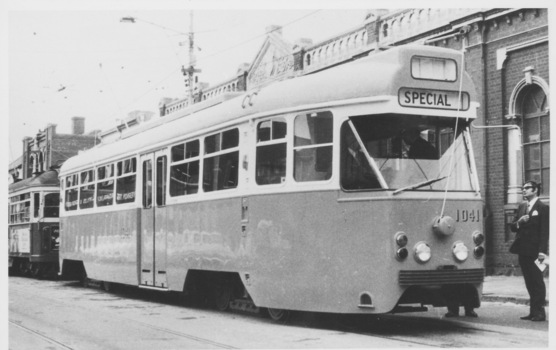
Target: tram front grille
x=432, y=277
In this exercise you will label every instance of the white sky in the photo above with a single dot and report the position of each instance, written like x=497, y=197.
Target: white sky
x=105, y=68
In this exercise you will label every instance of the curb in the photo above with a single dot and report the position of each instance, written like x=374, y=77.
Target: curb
x=507, y=299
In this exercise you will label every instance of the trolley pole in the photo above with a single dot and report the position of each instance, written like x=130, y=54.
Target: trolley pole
x=189, y=72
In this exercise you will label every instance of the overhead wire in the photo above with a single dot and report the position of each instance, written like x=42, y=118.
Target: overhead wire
x=177, y=69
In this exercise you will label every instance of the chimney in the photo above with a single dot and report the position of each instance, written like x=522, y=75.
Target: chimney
x=302, y=43
x=78, y=125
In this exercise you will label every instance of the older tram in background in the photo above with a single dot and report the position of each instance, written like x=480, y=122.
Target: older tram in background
x=303, y=195
x=33, y=225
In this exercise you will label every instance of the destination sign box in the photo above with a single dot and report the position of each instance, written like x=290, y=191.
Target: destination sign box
x=437, y=99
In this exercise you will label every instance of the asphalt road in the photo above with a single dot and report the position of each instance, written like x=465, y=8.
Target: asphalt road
x=65, y=315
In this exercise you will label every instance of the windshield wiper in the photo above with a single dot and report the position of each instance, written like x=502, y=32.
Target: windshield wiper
x=419, y=185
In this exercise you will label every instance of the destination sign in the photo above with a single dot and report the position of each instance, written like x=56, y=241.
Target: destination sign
x=437, y=99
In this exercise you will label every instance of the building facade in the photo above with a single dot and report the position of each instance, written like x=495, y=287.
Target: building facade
x=49, y=149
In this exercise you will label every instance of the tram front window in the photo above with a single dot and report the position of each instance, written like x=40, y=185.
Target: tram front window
x=402, y=152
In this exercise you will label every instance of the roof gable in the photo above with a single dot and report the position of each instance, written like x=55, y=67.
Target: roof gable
x=274, y=61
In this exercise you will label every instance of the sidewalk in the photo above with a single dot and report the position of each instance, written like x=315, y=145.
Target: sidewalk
x=508, y=289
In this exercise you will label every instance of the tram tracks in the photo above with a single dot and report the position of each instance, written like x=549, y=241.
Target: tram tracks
x=39, y=335
x=440, y=332
x=153, y=320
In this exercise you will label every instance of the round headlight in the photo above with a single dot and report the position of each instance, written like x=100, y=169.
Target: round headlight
x=422, y=252
x=478, y=238
x=479, y=251
x=401, y=239
x=402, y=253
x=460, y=251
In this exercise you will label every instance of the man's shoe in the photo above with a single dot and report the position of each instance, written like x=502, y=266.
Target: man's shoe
x=451, y=314
x=528, y=317
x=538, y=318
x=471, y=314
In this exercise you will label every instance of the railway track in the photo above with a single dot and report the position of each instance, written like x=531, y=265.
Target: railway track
x=150, y=320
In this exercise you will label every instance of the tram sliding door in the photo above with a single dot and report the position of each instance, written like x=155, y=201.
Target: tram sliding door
x=153, y=239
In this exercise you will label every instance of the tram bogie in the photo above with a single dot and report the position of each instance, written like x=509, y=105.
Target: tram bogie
x=312, y=197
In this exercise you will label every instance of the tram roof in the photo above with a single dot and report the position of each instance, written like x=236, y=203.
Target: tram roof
x=380, y=74
x=46, y=179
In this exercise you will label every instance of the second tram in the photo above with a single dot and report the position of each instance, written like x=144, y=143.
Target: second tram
x=351, y=190
x=33, y=225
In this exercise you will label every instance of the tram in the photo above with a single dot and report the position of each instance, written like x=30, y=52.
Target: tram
x=33, y=225
x=308, y=194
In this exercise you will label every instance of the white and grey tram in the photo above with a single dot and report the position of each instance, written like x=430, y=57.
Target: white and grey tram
x=303, y=195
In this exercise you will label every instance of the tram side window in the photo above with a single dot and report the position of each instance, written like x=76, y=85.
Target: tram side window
x=184, y=172
x=72, y=192
x=220, y=165
x=36, y=205
x=147, y=184
x=271, y=151
x=313, y=147
x=125, y=183
x=161, y=181
x=105, y=186
x=87, y=190
x=51, y=205
x=20, y=207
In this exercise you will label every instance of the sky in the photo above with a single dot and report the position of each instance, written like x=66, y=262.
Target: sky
x=87, y=63
x=76, y=58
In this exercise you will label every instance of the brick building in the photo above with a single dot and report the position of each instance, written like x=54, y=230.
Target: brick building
x=49, y=149
x=506, y=54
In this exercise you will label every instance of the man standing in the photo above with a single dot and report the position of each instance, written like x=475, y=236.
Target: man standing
x=531, y=243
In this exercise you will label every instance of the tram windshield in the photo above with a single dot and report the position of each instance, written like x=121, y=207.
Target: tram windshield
x=405, y=153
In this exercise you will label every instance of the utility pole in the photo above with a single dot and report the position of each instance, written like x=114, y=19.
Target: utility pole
x=190, y=71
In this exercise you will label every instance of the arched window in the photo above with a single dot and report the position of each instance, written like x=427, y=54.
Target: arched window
x=532, y=106
x=385, y=30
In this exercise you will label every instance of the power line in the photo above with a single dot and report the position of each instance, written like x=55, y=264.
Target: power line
x=202, y=59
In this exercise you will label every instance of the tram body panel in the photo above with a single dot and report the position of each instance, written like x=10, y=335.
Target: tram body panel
x=106, y=243
x=19, y=240
x=202, y=235
x=301, y=261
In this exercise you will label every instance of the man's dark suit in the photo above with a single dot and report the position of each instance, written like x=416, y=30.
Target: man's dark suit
x=532, y=238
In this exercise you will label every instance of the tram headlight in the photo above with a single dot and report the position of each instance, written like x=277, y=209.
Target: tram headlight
x=460, y=251
x=402, y=253
x=401, y=239
x=478, y=238
x=422, y=252
x=479, y=251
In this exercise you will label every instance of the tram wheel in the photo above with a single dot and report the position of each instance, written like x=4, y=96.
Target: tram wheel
x=84, y=280
x=278, y=315
x=25, y=268
x=107, y=286
x=222, y=295
x=36, y=270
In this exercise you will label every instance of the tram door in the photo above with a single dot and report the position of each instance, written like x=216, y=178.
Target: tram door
x=153, y=238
